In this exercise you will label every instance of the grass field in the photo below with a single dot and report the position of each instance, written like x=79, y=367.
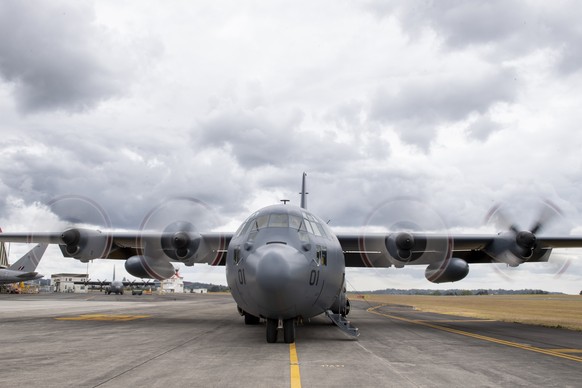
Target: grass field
x=563, y=311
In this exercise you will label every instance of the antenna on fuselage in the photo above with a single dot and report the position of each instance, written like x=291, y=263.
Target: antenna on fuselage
x=285, y=201
x=303, y=193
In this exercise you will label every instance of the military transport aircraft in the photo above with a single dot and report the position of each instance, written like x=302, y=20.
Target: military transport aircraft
x=284, y=264
x=117, y=287
x=24, y=268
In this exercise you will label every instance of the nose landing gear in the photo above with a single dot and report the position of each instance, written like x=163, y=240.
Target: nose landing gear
x=288, y=330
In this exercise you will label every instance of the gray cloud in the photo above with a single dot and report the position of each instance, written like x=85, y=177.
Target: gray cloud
x=55, y=56
x=275, y=137
x=506, y=30
x=483, y=127
x=418, y=107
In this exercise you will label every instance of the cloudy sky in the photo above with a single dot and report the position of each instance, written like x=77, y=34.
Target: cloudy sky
x=455, y=106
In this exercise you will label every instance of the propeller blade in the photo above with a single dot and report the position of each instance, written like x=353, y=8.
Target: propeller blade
x=548, y=211
x=498, y=216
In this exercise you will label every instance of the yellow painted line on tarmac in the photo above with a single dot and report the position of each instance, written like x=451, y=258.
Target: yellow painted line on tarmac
x=103, y=317
x=456, y=320
x=549, y=352
x=294, y=367
x=566, y=350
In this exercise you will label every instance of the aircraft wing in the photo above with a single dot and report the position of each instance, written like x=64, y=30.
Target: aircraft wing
x=88, y=244
x=399, y=249
x=126, y=283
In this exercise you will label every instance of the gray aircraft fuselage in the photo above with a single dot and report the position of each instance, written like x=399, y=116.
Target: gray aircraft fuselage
x=116, y=287
x=8, y=276
x=285, y=263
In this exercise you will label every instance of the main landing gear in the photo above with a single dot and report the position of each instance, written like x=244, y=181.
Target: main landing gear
x=288, y=330
x=251, y=319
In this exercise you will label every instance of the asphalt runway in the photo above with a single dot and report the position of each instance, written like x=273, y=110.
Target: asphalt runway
x=95, y=340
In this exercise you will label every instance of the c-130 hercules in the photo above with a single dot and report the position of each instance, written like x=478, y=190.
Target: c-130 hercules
x=284, y=264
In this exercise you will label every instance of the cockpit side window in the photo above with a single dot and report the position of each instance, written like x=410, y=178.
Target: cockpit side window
x=315, y=227
x=255, y=224
x=243, y=228
x=240, y=229
x=260, y=222
x=296, y=222
x=322, y=230
x=308, y=226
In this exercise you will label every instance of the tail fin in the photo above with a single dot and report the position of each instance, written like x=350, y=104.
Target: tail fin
x=30, y=260
x=303, y=193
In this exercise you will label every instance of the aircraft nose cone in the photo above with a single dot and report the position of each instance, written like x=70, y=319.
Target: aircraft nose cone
x=279, y=273
x=273, y=272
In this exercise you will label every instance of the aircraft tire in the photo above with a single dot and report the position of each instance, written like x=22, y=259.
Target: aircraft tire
x=251, y=319
x=272, y=330
x=289, y=331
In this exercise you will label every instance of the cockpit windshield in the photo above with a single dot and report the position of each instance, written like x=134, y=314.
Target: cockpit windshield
x=279, y=220
x=304, y=223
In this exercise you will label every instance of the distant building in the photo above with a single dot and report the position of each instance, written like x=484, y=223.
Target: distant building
x=175, y=284
x=199, y=290
x=69, y=282
x=3, y=255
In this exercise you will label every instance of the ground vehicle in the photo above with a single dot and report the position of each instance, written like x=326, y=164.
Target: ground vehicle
x=137, y=291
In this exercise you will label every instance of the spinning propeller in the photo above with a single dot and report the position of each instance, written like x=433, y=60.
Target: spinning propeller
x=179, y=219
x=517, y=245
x=84, y=223
x=404, y=219
x=168, y=231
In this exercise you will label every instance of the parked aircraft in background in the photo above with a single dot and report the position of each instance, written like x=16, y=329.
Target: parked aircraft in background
x=24, y=269
x=118, y=286
x=284, y=263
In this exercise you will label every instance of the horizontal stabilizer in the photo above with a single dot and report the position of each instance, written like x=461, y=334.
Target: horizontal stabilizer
x=27, y=275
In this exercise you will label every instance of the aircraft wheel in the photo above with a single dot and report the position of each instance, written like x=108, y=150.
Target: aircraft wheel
x=289, y=331
x=272, y=330
x=251, y=319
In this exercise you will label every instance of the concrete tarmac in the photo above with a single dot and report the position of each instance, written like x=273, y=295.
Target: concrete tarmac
x=96, y=340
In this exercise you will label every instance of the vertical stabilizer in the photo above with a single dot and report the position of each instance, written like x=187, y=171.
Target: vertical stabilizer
x=30, y=260
x=303, y=193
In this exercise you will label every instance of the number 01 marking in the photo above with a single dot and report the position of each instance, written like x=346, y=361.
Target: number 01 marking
x=241, y=276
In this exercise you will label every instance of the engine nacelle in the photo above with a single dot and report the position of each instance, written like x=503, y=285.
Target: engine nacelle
x=85, y=244
x=400, y=246
x=146, y=267
x=451, y=270
x=180, y=240
x=513, y=248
